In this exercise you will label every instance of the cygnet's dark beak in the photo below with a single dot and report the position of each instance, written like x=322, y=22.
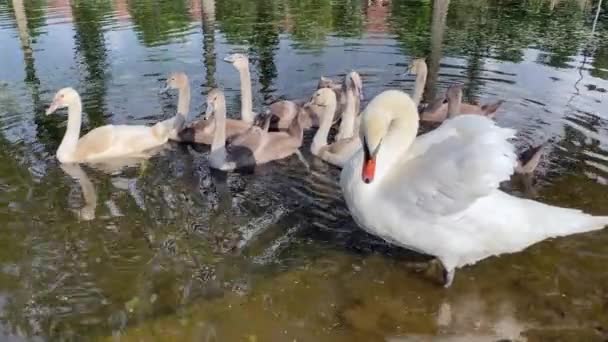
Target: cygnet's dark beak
x=229, y=59
x=208, y=111
x=52, y=108
x=164, y=89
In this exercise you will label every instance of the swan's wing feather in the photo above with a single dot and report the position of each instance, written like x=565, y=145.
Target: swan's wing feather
x=251, y=138
x=450, y=168
x=119, y=140
x=95, y=142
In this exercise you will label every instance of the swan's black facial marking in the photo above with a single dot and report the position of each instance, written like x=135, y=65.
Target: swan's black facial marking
x=369, y=162
x=366, y=153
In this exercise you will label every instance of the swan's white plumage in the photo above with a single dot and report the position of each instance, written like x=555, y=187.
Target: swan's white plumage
x=112, y=141
x=440, y=196
x=105, y=142
x=449, y=168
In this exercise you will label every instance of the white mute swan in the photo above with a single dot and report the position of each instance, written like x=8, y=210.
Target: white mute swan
x=104, y=142
x=438, y=193
x=255, y=146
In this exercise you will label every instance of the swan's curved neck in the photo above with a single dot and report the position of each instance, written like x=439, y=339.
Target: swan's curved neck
x=347, y=126
x=419, y=85
x=72, y=133
x=327, y=119
x=395, y=144
x=219, y=117
x=246, y=97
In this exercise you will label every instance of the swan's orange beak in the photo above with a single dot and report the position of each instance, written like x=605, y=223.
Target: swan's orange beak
x=369, y=168
x=369, y=165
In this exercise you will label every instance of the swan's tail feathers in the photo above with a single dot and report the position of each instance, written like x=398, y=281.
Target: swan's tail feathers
x=589, y=224
x=489, y=110
x=565, y=222
x=601, y=221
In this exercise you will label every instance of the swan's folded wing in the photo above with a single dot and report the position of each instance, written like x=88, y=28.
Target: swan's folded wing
x=113, y=141
x=453, y=166
x=251, y=138
x=96, y=142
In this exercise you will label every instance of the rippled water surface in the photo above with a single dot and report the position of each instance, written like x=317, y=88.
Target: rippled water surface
x=169, y=251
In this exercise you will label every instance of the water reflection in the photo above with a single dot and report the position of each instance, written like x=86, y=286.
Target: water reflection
x=89, y=19
x=87, y=212
x=158, y=22
x=166, y=247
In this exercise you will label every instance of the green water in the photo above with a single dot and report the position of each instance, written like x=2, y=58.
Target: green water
x=168, y=251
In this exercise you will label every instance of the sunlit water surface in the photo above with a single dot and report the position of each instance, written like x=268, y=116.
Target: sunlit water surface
x=169, y=251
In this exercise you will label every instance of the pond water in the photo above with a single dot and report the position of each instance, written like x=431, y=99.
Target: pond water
x=168, y=251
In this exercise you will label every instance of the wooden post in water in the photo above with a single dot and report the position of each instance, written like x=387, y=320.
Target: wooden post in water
x=208, y=30
x=440, y=13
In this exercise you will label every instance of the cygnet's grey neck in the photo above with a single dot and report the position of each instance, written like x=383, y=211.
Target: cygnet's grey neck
x=219, y=117
x=419, y=85
x=246, y=95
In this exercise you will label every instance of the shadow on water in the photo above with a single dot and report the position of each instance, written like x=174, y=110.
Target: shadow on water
x=167, y=249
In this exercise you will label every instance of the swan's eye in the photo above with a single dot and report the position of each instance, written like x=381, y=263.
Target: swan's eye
x=62, y=96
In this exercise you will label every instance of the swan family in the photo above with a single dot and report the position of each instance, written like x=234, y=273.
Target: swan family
x=436, y=193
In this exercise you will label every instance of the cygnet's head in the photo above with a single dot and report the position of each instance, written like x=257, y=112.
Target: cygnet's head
x=417, y=66
x=63, y=98
x=215, y=100
x=239, y=60
x=454, y=93
x=323, y=97
x=352, y=81
x=176, y=80
x=326, y=82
